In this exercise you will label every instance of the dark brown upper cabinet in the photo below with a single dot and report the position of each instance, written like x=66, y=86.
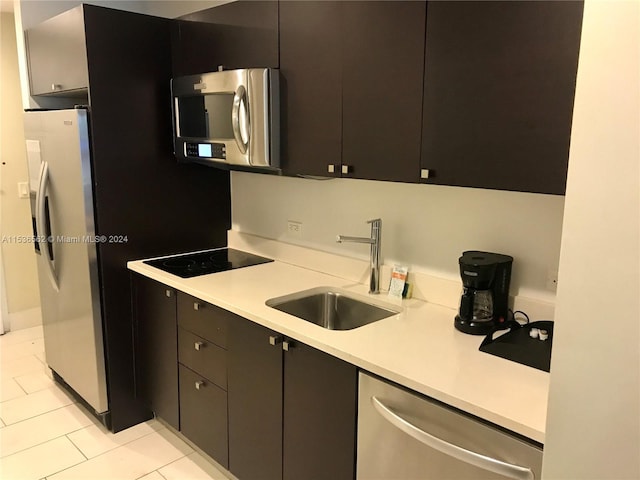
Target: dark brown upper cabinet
x=57, y=56
x=352, y=88
x=241, y=34
x=498, y=93
x=382, y=64
x=311, y=86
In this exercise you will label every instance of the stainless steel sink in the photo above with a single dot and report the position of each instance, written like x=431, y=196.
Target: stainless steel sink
x=330, y=308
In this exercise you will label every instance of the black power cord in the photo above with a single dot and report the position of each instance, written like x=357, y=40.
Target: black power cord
x=513, y=316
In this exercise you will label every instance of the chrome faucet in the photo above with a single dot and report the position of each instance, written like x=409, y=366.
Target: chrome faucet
x=374, y=241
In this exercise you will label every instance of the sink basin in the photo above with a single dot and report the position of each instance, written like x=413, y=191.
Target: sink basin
x=330, y=308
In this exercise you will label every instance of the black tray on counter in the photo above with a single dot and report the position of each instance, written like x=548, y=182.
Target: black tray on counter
x=516, y=345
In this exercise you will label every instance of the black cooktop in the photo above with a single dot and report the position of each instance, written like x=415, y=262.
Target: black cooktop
x=211, y=261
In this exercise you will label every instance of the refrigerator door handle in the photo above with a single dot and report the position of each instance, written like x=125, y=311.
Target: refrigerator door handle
x=41, y=195
x=482, y=461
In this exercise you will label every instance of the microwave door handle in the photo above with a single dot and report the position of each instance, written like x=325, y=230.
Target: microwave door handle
x=176, y=116
x=239, y=99
x=41, y=223
x=490, y=464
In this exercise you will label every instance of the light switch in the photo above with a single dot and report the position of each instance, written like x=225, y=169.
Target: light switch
x=23, y=189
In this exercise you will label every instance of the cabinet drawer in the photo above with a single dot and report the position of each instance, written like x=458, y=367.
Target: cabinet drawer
x=203, y=415
x=204, y=319
x=202, y=356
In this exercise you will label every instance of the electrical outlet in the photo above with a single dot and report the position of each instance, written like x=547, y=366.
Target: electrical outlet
x=552, y=280
x=294, y=229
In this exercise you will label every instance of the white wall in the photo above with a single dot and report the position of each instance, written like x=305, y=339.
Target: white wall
x=424, y=226
x=36, y=11
x=178, y=8
x=18, y=259
x=593, y=423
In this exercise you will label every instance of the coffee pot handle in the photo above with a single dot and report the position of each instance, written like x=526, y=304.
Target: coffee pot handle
x=466, y=304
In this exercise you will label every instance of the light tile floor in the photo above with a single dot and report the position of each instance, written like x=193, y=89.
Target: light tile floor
x=45, y=434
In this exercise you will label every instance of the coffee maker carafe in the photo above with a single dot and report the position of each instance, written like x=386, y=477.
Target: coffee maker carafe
x=485, y=295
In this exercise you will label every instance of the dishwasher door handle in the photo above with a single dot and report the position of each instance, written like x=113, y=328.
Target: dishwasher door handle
x=481, y=461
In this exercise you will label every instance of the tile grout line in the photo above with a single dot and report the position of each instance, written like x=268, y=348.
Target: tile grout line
x=42, y=443
x=77, y=448
x=13, y=377
x=149, y=473
x=170, y=463
x=20, y=386
x=66, y=468
x=104, y=453
x=35, y=416
x=111, y=449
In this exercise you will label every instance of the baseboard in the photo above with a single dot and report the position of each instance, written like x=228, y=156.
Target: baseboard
x=25, y=319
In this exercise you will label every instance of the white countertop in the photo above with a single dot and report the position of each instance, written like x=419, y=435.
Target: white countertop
x=418, y=348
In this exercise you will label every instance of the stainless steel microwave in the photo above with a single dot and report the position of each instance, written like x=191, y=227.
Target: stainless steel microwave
x=228, y=118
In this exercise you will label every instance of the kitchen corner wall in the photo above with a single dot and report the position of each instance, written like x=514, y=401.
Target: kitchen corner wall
x=593, y=422
x=18, y=259
x=424, y=226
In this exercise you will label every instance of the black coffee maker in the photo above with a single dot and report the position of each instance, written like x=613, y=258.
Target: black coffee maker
x=485, y=296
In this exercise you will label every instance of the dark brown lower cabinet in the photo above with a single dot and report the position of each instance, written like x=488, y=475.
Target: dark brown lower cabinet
x=156, y=348
x=202, y=338
x=254, y=379
x=203, y=414
x=320, y=396
x=292, y=414
x=263, y=406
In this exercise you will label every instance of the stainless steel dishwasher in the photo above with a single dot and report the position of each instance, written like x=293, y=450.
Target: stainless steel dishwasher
x=404, y=436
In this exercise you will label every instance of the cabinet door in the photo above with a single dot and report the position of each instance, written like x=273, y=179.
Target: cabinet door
x=255, y=401
x=203, y=414
x=156, y=348
x=311, y=90
x=320, y=397
x=383, y=59
x=57, y=54
x=242, y=34
x=498, y=93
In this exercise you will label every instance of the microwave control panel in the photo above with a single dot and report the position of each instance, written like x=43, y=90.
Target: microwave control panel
x=205, y=150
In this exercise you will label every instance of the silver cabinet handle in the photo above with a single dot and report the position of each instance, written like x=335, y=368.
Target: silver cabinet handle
x=239, y=98
x=198, y=345
x=275, y=339
x=168, y=293
x=331, y=168
x=41, y=195
x=481, y=461
x=55, y=86
x=287, y=345
x=346, y=169
x=197, y=306
x=199, y=384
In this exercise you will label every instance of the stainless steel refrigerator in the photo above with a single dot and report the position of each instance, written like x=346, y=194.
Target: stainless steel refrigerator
x=59, y=159
x=107, y=189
